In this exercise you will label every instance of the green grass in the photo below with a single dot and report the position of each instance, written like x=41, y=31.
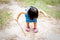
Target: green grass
x=51, y=2
x=57, y=14
x=4, y=17
x=43, y=5
x=4, y=1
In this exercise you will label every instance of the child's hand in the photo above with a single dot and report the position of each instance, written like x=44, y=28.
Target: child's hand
x=16, y=20
x=48, y=16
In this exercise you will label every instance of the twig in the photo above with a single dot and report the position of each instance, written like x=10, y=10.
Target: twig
x=21, y=29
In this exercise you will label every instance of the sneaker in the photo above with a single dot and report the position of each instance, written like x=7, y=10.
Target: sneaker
x=35, y=30
x=28, y=29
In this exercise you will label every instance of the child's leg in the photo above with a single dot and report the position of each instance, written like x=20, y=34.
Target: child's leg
x=35, y=27
x=35, y=24
x=27, y=24
x=27, y=27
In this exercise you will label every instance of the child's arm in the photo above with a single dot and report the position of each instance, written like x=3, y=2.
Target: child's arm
x=42, y=12
x=19, y=15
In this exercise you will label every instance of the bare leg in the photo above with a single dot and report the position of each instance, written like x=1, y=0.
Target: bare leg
x=35, y=24
x=27, y=28
x=35, y=27
x=27, y=24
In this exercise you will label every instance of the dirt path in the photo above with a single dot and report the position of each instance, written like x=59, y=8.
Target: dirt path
x=48, y=30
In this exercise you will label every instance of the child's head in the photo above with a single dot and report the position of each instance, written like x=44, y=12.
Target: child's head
x=33, y=12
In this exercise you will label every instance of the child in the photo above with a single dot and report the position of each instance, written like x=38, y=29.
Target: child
x=31, y=16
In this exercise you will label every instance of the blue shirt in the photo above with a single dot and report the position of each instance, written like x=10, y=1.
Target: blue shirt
x=29, y=20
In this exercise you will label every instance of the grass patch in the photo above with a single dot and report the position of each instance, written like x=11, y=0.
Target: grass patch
x=5, y=17
x=5, y=1
x=42, y=4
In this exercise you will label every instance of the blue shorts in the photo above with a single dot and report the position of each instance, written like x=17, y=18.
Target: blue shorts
x=29, y=20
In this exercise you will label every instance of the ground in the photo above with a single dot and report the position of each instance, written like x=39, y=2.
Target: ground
x=47, y=27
